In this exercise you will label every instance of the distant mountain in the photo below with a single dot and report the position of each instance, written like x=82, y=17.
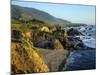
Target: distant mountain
x=27, y=13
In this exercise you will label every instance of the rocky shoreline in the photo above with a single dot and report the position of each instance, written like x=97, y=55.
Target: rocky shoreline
x=59, y=49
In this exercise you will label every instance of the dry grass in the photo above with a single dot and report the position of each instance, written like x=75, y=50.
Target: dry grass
x=26, y=60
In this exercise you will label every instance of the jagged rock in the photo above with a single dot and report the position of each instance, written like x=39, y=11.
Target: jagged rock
x=58, y=45
x=46, y=44
x=45, y=29
x=26, y=60
x=61, y=35
x=47, y=39
x=54, y=44
x=27, y=35
x=73, y=32
x=75, y=43
x=16, y=34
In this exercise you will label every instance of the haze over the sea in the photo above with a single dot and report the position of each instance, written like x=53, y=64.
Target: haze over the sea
x=74, y=13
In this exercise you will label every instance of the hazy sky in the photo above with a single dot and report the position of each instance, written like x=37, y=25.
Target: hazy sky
x=73, y=13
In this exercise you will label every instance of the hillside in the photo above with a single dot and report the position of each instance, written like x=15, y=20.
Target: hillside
x=26, y=60
x=26, y=13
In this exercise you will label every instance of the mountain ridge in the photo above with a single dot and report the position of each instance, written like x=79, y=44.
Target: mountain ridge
x=27, y=13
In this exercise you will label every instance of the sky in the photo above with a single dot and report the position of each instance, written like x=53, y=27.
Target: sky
x=74, y=13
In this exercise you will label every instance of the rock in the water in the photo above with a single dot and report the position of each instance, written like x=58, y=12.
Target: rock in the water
x=81, y=60
x=75, y=43
x=73, y=32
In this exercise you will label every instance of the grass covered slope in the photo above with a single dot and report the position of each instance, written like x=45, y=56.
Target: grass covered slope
x=26, y=60
x=26, y=14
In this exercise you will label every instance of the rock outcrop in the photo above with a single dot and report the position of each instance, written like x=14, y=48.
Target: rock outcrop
x=26, y=60
x=75, y=43
x=48, y=40
x=45, y=29
x=58, y=45
x=16, y=34
x=73, y=32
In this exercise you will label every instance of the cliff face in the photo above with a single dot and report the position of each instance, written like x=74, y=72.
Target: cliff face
x=26, y=60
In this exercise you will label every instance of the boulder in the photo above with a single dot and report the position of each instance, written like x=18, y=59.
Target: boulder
x=73, y=32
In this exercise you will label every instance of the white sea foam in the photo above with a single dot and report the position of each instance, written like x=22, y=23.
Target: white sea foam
x=89, y=35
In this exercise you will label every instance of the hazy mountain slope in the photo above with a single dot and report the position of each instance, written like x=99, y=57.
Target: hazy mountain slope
x=29, y=13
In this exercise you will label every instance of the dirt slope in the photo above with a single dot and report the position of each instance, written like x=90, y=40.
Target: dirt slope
x=55, y=59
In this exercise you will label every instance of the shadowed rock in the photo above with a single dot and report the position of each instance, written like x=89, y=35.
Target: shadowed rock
x=73, y=32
